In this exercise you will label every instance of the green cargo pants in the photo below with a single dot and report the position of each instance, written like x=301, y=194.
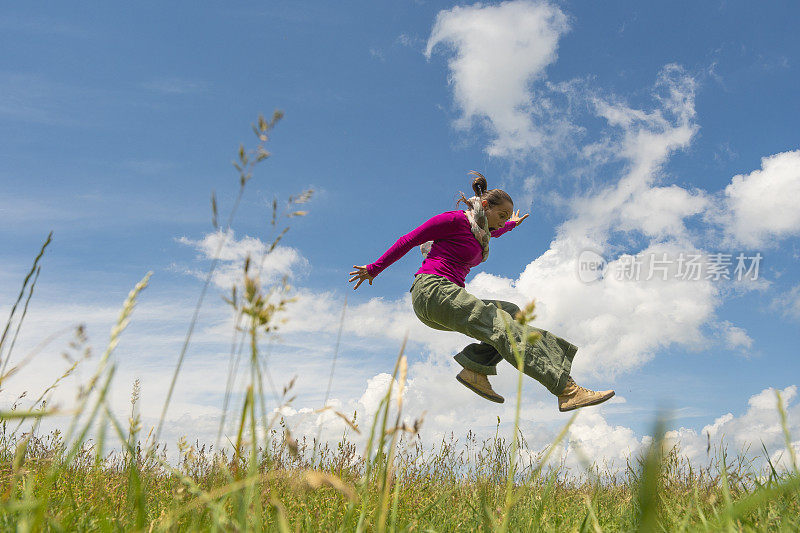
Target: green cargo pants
x=441, y=304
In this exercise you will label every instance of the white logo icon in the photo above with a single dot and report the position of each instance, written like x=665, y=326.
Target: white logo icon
x=591, y=266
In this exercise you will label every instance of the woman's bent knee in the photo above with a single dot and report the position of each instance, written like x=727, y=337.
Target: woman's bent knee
x=509, y=307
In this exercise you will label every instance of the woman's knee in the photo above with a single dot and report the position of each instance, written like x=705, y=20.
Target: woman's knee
x=509, y=307
x=512, y=309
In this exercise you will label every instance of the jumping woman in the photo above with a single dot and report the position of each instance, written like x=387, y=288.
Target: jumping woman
x=452, y=243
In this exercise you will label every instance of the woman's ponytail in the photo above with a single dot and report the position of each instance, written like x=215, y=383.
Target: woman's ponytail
x=479, y=184
x=480, y=187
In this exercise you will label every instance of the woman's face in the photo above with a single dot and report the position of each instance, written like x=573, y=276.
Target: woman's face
x=497, y=215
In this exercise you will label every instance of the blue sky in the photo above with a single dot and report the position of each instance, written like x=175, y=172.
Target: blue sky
x=623, y=128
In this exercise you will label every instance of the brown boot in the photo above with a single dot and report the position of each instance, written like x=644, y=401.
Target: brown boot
x=574, y=396
x=479, y=384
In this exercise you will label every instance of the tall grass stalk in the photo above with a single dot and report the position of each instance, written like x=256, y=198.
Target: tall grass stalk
x=245, y=165
x=378, y=460
x=787, y=438
x=333, y=368
x=523, y=317
x=35, y=268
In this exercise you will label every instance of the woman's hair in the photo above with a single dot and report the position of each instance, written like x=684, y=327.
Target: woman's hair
x=493, y=197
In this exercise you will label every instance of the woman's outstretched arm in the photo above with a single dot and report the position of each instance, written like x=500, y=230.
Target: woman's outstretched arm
x=436, y=227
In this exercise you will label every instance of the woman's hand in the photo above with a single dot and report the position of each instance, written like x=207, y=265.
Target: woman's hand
x=516, y=218
x=360, y=274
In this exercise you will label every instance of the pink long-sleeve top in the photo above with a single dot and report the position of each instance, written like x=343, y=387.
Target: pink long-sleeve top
x=454, y=252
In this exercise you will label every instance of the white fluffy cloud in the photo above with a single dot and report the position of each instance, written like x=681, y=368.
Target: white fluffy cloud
x=618, y=324
x=592, y=439
x=760, y=423
x=498, y=52
x=448, y=409
x=761, y=206
x=660, y=212
x=282, y=261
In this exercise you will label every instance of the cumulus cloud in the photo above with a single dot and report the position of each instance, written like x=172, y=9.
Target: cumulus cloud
x=450, y=410
x=618, y=324
x=661, y=212
x=499, y=51
x=593, y=440
x=282, y=261
x=760, y=207
x=761, y=423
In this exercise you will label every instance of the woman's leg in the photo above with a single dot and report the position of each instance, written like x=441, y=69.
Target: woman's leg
x=483, y=357
x=438, y=300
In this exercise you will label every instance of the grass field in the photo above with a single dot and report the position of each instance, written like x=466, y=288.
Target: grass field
x=72, y=479
x=290, y=486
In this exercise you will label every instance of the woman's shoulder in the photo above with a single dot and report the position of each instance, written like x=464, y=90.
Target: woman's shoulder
x=456, y=215
x=448, y=221
x=456, y=220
